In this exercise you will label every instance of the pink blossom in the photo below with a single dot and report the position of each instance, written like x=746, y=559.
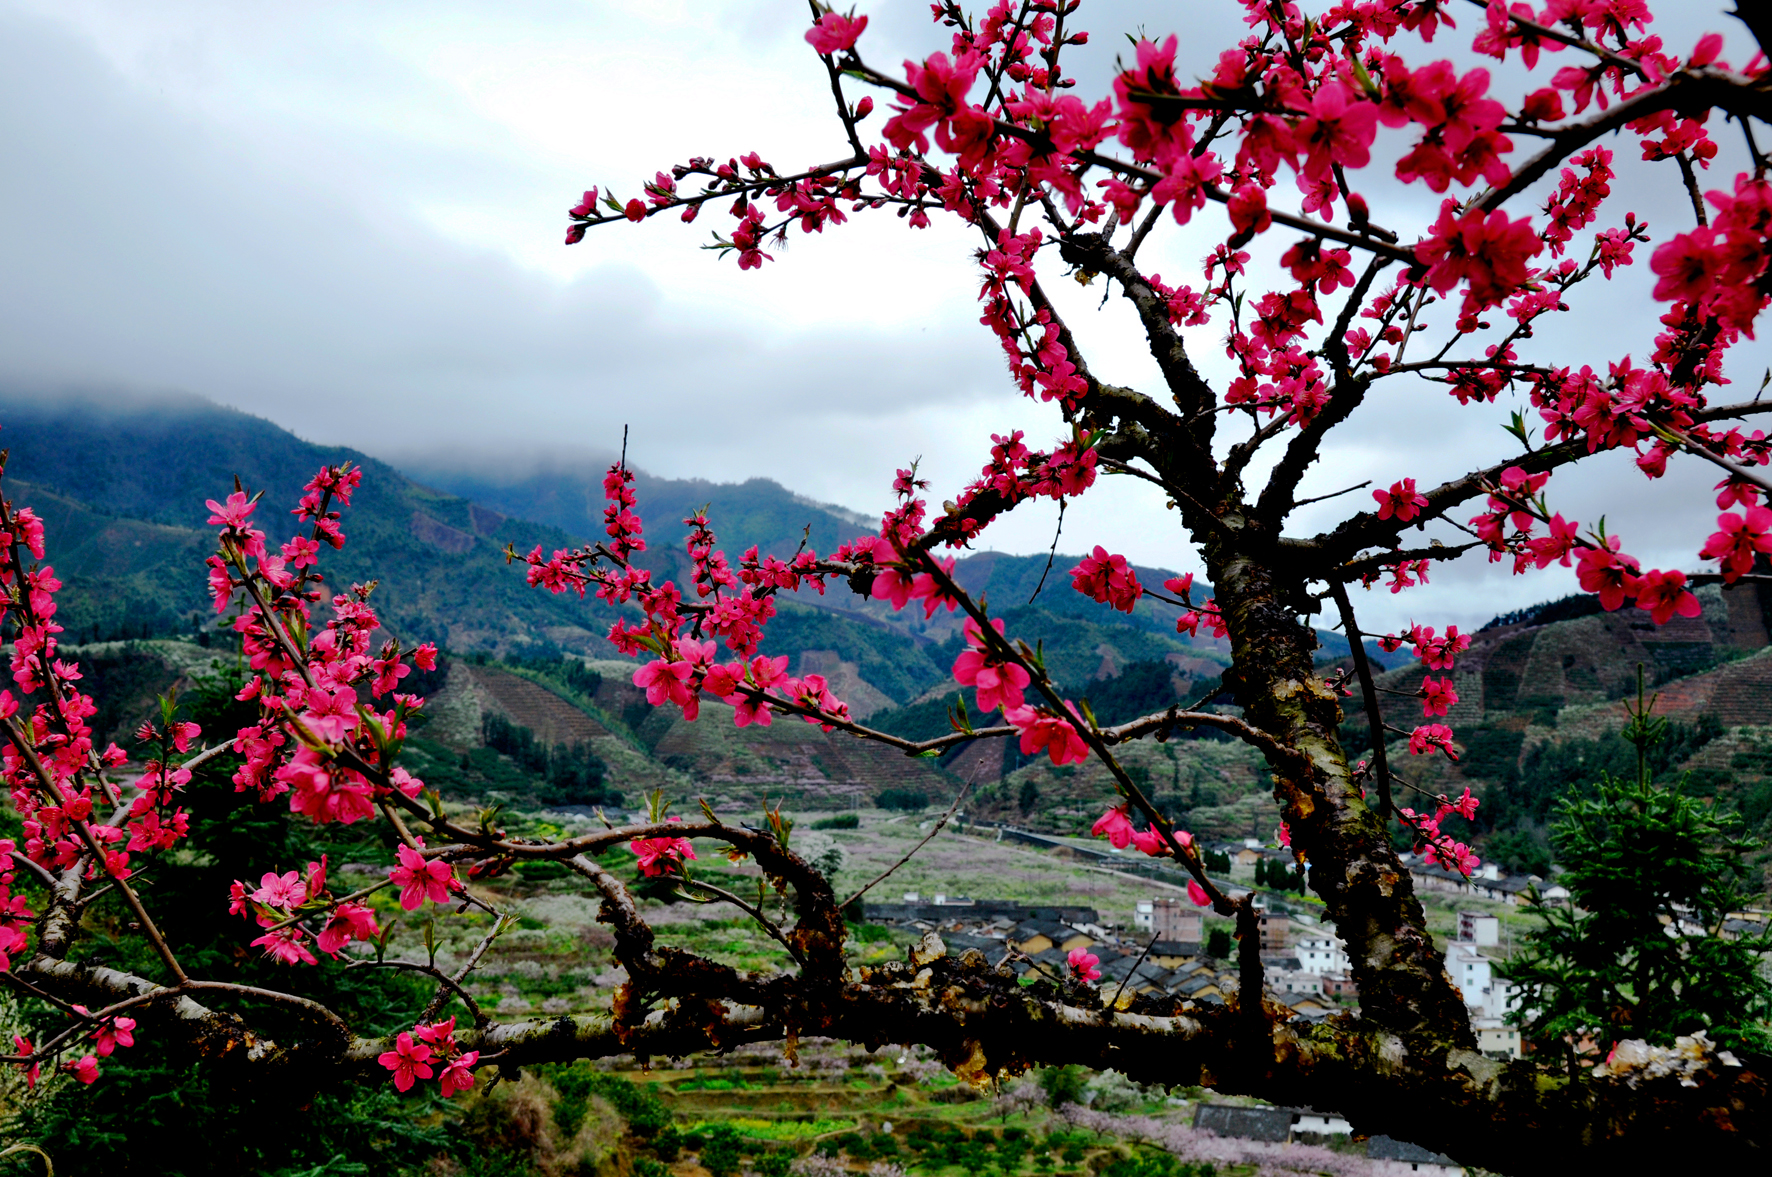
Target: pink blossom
x=941, y=87
x=22, y=1045
x=1042, y=730
x=1488, y=252
x=112, y=1033
x=1248, y=209
x=233, y=513
x=285, y=891
x=351, y=921
x=1108, y=579
x=658, y=856
x=440, y=1035
x=287, y=946
x=834, y=34
x=665, y=682
x=1740, y=536
x=1198, y=894
x=1664, y=595
x=85, y=1070
x=1147, y=129
x=1400, y=500
x=1338, y=128
x=459, y=1074
x=998, y=683
x=1438, y=695
x=1083, y=965
x=419, y=879
x=407, y=1060
x=1611, y=574
x=1432, y=735
x=1116, y=826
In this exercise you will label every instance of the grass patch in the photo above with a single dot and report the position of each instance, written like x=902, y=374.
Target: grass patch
x=781, y=1130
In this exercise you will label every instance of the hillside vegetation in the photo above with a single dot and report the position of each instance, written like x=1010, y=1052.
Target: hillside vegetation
x=531, y=709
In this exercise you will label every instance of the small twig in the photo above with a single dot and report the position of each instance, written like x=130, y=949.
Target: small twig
x=767, y=924
x=40, y=872
x=1691, y=181
x=1051, y=555
x=881, y=878
x=1142, y=231
x=1333, y=495
x=1685, y=442
x=325, y=1015
x=445, y=983
x=1374, y=717
x=1127, y=979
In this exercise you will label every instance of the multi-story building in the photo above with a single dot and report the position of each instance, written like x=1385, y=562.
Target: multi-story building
x=1176, y=920
x=1487, y=995
x=1482, y=930
x=1321, y=952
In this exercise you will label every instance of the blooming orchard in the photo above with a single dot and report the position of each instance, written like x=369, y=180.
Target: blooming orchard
x=1270, y=151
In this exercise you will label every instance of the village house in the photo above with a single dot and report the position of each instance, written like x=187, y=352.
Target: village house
x=1037, y=936
x=1173, y=953
x=1275, y=1125
x=1312, y=1123
x=1393, y=1158
x=1496, y=1038
x=1307, y=1005
x=1482, y=930
x=1321, y=952
x=1176, y=920
x=1487, y=883
x=1289, y=981
x=1486, y=995
x=1276, y=931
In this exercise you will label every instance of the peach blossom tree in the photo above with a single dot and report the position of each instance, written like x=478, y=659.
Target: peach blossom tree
x=1270, y=152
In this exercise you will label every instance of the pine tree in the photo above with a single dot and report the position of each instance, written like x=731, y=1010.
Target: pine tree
x=1652, y=873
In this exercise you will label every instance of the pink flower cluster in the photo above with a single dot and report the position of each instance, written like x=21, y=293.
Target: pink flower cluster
x=662, y=855
x=1600, y=567
x=1116, y=826
x=281, y=902
x=997, y=681
x=1108, y=579
x=419, y=1051
x=1436, y=847
x=1083, y=964
x=15, y=916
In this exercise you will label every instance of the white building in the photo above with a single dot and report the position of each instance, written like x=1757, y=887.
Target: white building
x=1482, y=930
x=1495, y=1037
x=1285, y=981
x=1320, y=1123
x=1487, y=995
x=1321, y=952
x=1141, y=915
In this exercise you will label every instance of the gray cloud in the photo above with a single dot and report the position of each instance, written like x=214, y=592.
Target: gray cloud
x=336, y=220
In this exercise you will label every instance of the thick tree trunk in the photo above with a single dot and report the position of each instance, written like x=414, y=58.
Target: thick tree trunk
x=1371, y=899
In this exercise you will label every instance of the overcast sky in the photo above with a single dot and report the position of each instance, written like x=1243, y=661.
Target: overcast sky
x=347, y=218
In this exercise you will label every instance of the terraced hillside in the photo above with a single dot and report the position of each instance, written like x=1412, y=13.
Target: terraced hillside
x=1540, y=705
